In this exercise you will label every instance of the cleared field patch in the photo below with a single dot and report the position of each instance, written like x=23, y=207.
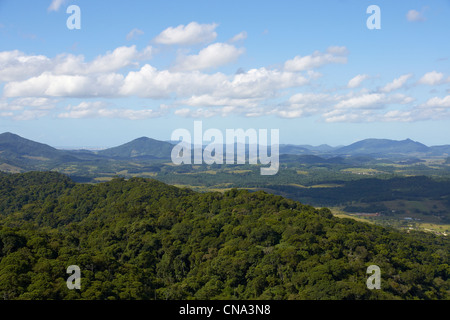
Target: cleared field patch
x=36, y=158
x=297, y=185
x=103, y=179
x=324, y=185
x=9, y=168
x=238, y=171
x=147, y=174
x=368, y=171
x=327, y=185
x=338, y=212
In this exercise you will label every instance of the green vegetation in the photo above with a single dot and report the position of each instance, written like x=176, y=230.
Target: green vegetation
x=143, y=239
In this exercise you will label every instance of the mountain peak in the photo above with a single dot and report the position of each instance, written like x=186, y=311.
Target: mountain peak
x=140, y=147
x=19, y=146
x=10, y=135
x=384, y=146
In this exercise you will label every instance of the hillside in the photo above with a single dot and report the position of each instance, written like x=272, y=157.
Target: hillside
x=384, y=147
x=143, y=239
x=140, y=148
x=14, y=146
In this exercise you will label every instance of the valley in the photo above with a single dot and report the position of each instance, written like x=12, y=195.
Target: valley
x=403, y=184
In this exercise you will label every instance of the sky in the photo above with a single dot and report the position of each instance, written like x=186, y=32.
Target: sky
x=105, y=72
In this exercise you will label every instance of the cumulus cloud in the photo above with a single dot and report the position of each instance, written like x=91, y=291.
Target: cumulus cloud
x=204, y=113
x=99, y=109
x=396, y=83
x=50, y=85
x=149, y=82
x=357, y=80
x=16, y=65
x=317, y=59
x=438, y=102
x=119, y=58
x=303, y=104
x=213, y=56
x=35, y=85
x=193, y=33
x=372, y=101
x=432, y=78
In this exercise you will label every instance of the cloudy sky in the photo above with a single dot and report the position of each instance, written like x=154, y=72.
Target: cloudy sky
x=312, y=69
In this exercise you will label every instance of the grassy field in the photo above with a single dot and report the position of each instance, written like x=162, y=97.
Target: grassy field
x=436, y=228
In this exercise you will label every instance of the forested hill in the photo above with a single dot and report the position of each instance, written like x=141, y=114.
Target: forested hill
x=142, y=239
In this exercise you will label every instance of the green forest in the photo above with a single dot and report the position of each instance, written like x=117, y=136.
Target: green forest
x=140, y=238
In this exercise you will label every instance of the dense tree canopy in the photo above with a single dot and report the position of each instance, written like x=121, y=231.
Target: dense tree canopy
x=143, y=239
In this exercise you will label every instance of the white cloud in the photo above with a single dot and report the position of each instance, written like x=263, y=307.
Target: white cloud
x=197, y=113
x=261, y=82
x=240, y=36
x=438, y=102
x=317, y=59
x=150, y=82
x=31, y=83
x=56, y=4
x=432, y=78
x=371, y=100
x=193, y=33
x=309, y=98
x=396, y=83
x=50, y=85
x=303, y=104
x=119, y=58
x=134, y=33
x=99, y=109
x=208, y=100
x=213, y=56
x=357, y=80
x=415, y=16
x=15, y=65
x=398, y=116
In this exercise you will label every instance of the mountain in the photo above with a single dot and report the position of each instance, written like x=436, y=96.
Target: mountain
x=144, y=148
x=293, y=149
x=440, y=150
x=384, y=147
x=305, y=149
x=14, y=147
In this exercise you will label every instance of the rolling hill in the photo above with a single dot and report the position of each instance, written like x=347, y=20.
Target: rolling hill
x=140, y=148
x=142, y=239
x=384, y=147
x=15, y=150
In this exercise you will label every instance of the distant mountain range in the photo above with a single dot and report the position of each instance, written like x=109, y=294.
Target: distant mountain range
x=19, y=152
x=382, y=148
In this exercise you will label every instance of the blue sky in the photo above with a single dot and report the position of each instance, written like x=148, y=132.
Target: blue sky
x=311, y=69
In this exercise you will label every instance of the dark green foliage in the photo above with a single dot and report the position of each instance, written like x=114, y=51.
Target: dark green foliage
x=143, y=239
